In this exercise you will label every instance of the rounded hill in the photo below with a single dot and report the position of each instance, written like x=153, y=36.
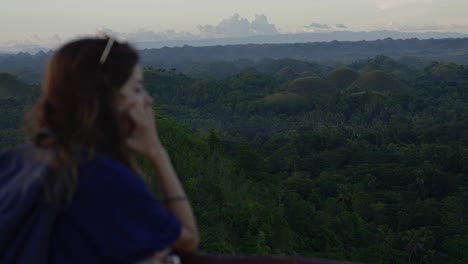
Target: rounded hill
x=287, y=73
x=284, y=102
x=310, y=87
x=11, y=86
x=377, y=81
x=308, y=74
x=342, y=77
x=383, y=63
x=446, y=72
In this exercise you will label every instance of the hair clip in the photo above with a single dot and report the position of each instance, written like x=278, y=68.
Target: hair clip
x=105, y=53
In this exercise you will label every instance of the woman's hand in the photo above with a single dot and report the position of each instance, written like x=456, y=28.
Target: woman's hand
x=143, y=138
x=157, y=258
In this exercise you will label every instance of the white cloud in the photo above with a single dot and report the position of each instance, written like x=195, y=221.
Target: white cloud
x=394, y=4
x=236, y=26
x=207, y=29
x=317, y=27
x=33, y=42
x=143, y=35
x=260, y=26
x=413, y=27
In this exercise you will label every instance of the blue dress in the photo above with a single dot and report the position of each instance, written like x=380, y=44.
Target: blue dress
x=113, y=217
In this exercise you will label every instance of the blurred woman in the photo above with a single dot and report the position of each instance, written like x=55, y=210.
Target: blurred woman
x=87, y=201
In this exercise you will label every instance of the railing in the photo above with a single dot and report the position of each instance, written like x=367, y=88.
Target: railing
x=212, y=259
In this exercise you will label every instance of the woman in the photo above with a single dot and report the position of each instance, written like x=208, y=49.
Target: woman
x=93, y=115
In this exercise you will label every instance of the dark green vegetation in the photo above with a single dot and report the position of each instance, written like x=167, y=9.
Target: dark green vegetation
x=226, y=61
x=15, y=98
x=366, y=163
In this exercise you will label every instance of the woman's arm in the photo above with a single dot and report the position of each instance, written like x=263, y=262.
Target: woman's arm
x=144, y=139
x=175, y=199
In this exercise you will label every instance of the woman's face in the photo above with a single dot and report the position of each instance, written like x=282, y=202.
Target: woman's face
x=133, y=92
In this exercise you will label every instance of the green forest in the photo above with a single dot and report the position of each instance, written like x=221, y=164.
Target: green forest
x=224, y=61
x=366, y=161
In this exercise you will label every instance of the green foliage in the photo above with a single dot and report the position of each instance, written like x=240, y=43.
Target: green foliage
x=12, y=87
x=373, y=177
x=375, y=174
x=311, y=87
x=283, y=102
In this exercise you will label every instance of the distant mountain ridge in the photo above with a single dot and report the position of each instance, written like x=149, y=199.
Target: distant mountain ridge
x=229, y=59
x=264, y=39
x=334, y=52
x=301, y=37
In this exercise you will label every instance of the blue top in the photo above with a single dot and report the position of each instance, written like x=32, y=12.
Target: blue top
x=113, y=217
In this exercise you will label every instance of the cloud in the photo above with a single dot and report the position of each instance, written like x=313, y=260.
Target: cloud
x=412, y=27
x=318, y=26
x=143, y=35
x=207, y=29
x=32, y=44
x=385, y=5
x=260, y=26
x=51, y=41
x=236, y=26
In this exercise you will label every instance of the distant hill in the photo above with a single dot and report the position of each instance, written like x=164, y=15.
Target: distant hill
x=446, y=72
x=287, y=73
x=447, y=50
x=377, y=81
x=12, y=87
x=311, y=87
x=285, y=102
x=300, y=38
x=384, y=63
x=300, y=57
x=413, y=62
x=342, y=77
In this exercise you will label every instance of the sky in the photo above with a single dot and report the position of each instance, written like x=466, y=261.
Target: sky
x=54, y=21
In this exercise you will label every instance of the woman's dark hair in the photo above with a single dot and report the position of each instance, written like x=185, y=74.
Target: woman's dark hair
x=76, y=115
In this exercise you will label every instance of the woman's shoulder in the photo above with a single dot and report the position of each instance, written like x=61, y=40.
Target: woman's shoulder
x=104, y=171
x=23, y=164
x=100, y=162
